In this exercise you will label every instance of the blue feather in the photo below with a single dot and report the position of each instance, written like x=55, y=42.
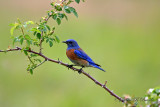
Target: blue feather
x=81, y=54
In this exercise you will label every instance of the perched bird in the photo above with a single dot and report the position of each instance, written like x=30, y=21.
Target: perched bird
x=78, y=56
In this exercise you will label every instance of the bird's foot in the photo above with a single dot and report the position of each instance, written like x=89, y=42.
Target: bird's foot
x=80, y=71
x=69, y=66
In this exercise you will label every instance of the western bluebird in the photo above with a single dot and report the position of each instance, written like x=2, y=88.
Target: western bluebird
x=78, y=56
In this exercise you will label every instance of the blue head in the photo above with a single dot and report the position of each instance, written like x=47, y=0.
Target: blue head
x=72, y=44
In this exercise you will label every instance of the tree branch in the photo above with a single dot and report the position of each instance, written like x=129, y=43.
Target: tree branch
x=73, y=68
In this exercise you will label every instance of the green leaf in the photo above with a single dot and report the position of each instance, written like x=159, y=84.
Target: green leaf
x=28, y=42
x=65, y=16
x=66, y=9
x=69, y=2
x=83, y=0
x=29, y=22
x=15, y=40
x=58, y=21
x=57, y=39
x=58, y=7
x=38, y=35
x=21, y=41
x=73, y=10
x=75, y=13
x=38, y=60
x=18, y=20
x=53, y=28
x=52, y=4
x=50, y=43
x=77, y=1
x=51, y=39
x=35, y=30
x=34, y=55
x=31, y=71
x=54, y=16
x=61, y=15
x=34, y=33
x=12, y=30
x=25, y=52
x=27, y=37
x=47, y=40
x=21, y=36
x=12, y=24
x=48, y=27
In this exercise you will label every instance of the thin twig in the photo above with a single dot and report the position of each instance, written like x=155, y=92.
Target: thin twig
x=30, y=59
x=22, y=30
x=40, y=45
x=73, y=68
x=40, y=64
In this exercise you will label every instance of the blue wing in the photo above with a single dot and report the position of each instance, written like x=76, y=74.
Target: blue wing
x=81, y=54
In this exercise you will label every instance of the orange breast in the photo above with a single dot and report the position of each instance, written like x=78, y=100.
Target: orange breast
x=71, y=55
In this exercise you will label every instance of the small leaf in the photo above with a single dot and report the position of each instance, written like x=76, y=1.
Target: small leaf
x=21, y=41
x=15, y=40
x=51, y=39
x=48, y=27
x=34, y=55
x=38, y=35
x=34, y=33
x=29, y=22
x=58, y=21
x=58, y=7
x=47, y=40
x=12, y=30
x=54, y=16
x=36, y=30
x=31, y=71
x=66, y=9
x=25, y=52
x=75, y=13
x=27, y=37
x=77, y=1
x=21, y=36
x=38, y=60
x=50, y=43
x=61, y=15
x=27, y=48
x=53, y=28
x=57, y=39
x=52, y=4
x=65, y=16
x=28, y=42
x=12, y=24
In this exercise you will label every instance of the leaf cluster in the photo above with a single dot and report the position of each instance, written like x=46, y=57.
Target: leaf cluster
x=34, y=34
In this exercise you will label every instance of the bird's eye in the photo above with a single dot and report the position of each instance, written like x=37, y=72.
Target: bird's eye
x=70, y=42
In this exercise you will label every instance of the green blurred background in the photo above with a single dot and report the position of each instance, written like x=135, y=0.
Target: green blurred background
x=122, y=36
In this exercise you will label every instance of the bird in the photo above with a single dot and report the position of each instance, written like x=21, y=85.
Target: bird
x=78, y=57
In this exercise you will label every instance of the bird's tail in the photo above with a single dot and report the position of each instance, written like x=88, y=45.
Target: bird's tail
x=97, y=66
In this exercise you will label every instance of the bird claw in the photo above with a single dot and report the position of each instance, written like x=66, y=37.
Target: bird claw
x=80, y=71
x=69, y=66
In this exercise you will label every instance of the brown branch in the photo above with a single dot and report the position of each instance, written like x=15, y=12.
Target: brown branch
x=73, y=68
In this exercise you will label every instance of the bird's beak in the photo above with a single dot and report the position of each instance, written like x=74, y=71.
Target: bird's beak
x=64, y=42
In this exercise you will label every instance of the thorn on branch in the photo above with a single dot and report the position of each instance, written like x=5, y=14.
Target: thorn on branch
x=59, y=62
x=104, y=84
